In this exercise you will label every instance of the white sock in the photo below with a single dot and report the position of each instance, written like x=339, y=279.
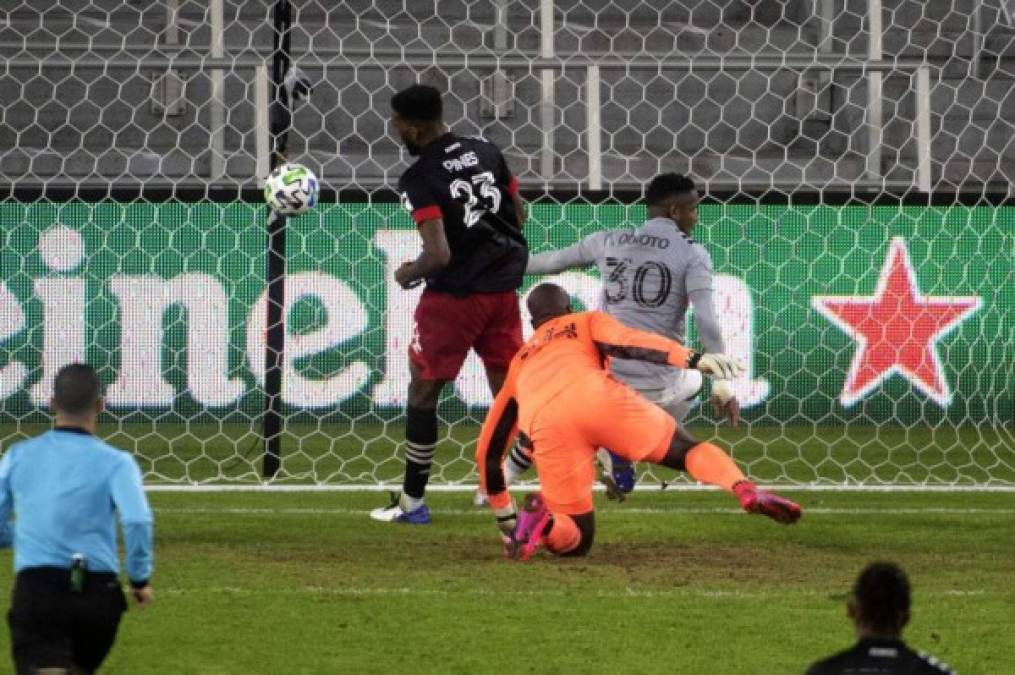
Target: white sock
x=517, y=463
x=407, y=503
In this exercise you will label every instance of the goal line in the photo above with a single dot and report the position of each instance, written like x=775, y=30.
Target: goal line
x=681, y=487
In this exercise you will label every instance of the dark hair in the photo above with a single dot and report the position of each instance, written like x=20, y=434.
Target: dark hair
x=667, y=185
x=881, y=594
x=76, y=388
x=418, y=103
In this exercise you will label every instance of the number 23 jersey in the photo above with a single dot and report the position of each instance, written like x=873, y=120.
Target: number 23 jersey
x=465, y=181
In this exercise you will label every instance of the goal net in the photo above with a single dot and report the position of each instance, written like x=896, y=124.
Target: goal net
x=856, y=158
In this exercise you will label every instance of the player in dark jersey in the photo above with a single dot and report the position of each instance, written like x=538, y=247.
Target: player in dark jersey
x=466, y=205
x=879, y=607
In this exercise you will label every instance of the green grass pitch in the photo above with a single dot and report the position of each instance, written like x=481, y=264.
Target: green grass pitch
x=678, y=582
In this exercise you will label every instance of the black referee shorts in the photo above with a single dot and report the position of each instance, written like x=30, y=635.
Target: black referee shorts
x=53, y=627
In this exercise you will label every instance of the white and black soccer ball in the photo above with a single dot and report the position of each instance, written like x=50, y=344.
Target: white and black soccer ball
x=291, y=189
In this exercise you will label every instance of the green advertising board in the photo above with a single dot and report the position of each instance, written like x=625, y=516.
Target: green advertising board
x=865, y=314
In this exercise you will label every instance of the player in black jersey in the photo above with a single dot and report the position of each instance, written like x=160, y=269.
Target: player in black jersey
x=879, y=607
x=466, y=205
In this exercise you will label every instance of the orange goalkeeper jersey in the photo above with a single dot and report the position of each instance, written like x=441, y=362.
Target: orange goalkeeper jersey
x=552, y=364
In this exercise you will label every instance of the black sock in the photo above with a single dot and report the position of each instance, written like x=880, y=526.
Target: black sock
x=420, y=443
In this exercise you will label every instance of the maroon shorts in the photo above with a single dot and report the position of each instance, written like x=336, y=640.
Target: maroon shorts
x=446, y=327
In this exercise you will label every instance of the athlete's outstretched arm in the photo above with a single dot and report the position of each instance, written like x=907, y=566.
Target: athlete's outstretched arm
x=700, y=283
x=704, y=319
x=582, y=254
x=497, y=435
x=613, y=338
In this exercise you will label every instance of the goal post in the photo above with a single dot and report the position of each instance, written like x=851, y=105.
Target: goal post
x=861, y=227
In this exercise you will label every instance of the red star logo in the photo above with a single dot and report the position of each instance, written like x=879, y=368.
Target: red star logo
x=897, y=330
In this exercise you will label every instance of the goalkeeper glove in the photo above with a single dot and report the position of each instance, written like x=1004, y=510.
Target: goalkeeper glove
x=718, y=366
x=722, y=391
x=507, y=519
x=725, y=401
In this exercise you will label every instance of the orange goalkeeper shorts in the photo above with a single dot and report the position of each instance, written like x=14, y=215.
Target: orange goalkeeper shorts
x=597, y=412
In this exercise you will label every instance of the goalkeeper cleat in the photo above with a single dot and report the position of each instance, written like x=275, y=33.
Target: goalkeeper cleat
x=528, y=534
x=753, y=500
x=618, y=474
x=394, y=513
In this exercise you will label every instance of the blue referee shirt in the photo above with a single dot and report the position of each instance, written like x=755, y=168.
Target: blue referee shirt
x=64, y=487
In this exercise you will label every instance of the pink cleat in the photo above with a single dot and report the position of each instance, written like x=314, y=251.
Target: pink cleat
x=528, y=534
x=779, y=509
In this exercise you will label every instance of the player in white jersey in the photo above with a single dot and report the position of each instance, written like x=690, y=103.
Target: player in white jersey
x=651, y=275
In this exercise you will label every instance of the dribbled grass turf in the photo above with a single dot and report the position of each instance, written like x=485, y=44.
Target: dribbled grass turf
x=677, y=582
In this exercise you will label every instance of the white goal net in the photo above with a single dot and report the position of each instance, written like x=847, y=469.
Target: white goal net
x=856, y=157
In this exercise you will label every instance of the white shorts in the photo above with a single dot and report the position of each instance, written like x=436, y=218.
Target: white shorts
x=680, y=396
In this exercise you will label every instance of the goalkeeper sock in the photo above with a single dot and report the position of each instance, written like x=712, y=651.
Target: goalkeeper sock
x=710, y=464
x=563, y=536
x=420, y=444
x=517, y=463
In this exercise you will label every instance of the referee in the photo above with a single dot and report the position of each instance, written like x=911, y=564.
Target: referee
x=64, y=487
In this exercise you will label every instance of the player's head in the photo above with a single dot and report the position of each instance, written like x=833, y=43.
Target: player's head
x=548, y=301
x=417, y=116
x=673, y=196
x=879, y=604
x=77, y=393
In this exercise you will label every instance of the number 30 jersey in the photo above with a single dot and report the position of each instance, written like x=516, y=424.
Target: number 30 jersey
x=649, y=276
x=465, y=181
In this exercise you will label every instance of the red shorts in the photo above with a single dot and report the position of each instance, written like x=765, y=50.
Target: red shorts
x=446, y=327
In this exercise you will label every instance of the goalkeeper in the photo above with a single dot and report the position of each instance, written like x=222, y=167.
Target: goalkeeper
x=561, y=404
x=650, y=276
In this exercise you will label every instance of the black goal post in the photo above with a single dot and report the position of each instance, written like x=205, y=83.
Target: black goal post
x=274, y=353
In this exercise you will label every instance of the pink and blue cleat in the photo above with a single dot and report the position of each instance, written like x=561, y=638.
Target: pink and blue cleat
x=754, y=500
x=528, y=534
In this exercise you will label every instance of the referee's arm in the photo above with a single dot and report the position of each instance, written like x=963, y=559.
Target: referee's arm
x=6, y=501
x=138, y=526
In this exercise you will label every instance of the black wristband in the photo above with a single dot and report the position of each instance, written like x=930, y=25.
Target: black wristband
x=138, y=585
x=692, y=363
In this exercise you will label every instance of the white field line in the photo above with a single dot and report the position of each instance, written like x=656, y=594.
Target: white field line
x=654, y=487
x=628, y=592
x=675, y=511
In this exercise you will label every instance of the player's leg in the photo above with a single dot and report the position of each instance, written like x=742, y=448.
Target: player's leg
x=563, y=534
x=97, y=619
x=420, y=447
x=39, y=636
x=676, y=400
x=708, y=463
x=443, y=332
x=641, y=431
x=682, y=395
x=560, y=516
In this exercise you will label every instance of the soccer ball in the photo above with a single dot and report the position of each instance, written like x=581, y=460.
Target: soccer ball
x=291, y=189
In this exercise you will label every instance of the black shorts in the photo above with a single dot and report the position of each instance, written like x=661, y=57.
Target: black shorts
x=53, y=627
